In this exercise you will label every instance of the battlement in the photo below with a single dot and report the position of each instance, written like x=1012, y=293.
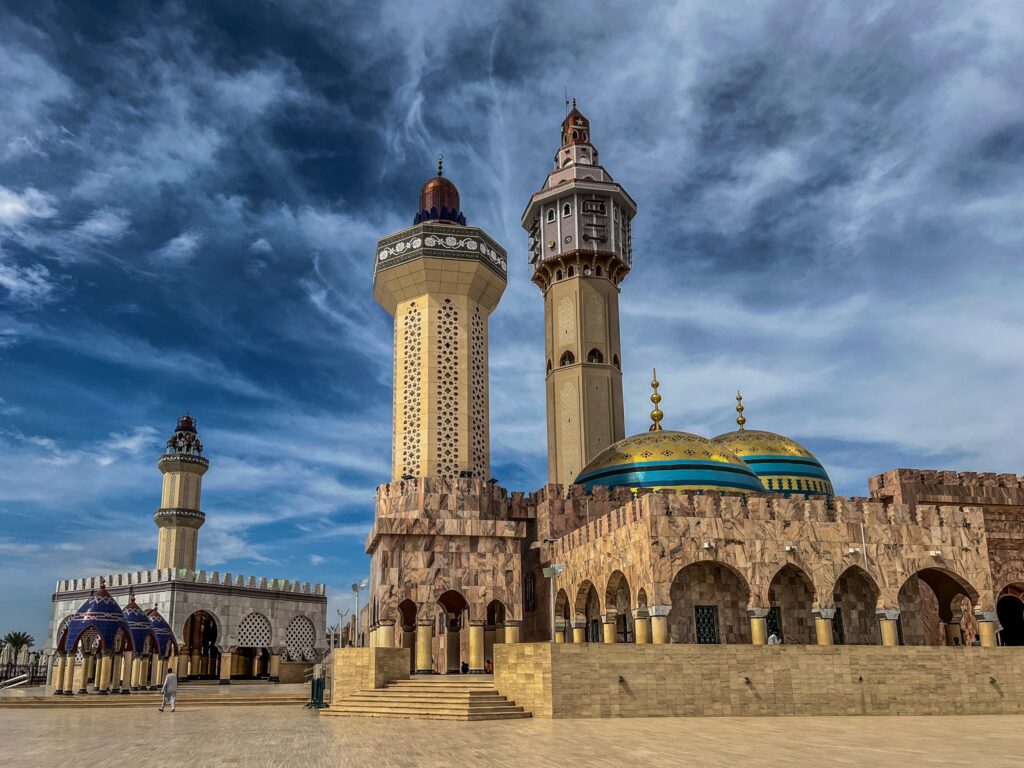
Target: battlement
x=916, y=486
x=165, y=575
x=946, y=477
x=457, y=498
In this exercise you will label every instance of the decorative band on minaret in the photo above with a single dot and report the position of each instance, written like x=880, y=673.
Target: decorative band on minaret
x=579, y=225
x=440, y=280
x=179, y=517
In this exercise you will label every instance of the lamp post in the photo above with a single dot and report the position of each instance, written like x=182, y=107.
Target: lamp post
x=341, y=624
x=552, y=572
x=357, y=588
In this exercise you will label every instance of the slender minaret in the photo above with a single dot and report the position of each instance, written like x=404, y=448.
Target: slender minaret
x=179, y=517
x=580, y=251
x=440, y=280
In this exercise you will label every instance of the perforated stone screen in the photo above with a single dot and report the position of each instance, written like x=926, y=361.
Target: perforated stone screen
x=300, y=637
x=254, y=631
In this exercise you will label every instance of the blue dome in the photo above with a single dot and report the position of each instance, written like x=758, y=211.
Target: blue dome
x=662, y=459
x=783, y=465
x=102, y=613
x=140, y=627
x=164, y=634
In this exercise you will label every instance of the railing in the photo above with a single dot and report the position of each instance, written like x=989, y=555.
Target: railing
x=34, y=672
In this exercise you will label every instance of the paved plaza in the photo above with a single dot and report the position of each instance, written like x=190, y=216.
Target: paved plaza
x=255, y=736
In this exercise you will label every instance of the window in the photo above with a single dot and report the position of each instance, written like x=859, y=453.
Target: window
x=705, y=619
x=549, y=365
x=558, y=274
x=595, y=356
x=594, y=206
x=774, y=622
x=530, y=592
x=598, y=271
x=838, y=633
x=575, y=134
x=551, y=214
x=615, y=358
x=586, y=270
x=568, y=358
x=567, y=210
x=571, y=272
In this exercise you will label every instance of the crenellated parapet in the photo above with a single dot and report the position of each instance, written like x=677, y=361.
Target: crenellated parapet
x=161, y=576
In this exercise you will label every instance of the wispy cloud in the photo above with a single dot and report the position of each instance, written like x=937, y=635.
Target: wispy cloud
x=179, y=249
x=18, y=207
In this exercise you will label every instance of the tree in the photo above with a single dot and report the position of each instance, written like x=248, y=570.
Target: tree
x=17, y=641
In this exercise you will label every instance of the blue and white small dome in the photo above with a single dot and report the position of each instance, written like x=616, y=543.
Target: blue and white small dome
x=144, y=639
x=166, y=642
x=102, y=614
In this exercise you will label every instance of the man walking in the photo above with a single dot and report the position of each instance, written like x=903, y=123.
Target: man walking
x=170, y=690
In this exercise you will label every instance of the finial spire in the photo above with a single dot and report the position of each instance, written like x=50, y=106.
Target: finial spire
x=740, y=419
x=440, y=165
x=656, y=414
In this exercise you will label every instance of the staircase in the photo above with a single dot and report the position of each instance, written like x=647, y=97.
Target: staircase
x=431, y=697
x=188, y=698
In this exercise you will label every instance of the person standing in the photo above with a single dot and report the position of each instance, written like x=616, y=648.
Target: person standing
x=170, y=690
x=774, y=639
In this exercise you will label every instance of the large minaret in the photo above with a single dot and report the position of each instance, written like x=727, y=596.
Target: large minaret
x=179, y=517
x=440, y=280
x=580, y=251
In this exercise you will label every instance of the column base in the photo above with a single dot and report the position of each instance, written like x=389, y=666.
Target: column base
x=424, y=672
x=58, y=693
x=274, y=679
x=135, y=688
x=478, y=671
x=83, y=690
x=69, y=693
x=224, y=682
x=125, y=692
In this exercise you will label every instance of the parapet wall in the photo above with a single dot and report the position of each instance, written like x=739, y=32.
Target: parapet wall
x=911, y=486
x=596, y=680
x=161, y=575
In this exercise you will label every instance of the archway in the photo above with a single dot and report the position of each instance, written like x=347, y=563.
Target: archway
x=252, y=657
x=588, y=610
x=709, y=605
x=855, y=596
x=790, y=601
x=617, y=601
x=200, y=646
x=927, y=615
x=1010, y=612
x=407, y=627
x=563, y=615
x=494, y=630
x=449, y=633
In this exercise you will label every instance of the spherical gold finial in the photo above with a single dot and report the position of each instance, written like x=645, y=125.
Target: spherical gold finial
x=656, y=414
x=739, y=410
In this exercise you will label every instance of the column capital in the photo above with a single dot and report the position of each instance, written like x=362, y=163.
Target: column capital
x=758, y=612
x=660, y=610
x=387, y=622
x=477, y=623
x=513, y=623
x=824, y=613
x=578, y=623
x=609, y=618
x=888, y=614
x=985, y=616
x=641, y=613
x=227, y=648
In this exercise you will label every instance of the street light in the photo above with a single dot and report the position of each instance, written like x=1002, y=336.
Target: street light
x=552, y=572
x=341, y=623
x=357, y=588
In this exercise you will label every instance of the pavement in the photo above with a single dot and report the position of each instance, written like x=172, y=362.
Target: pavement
x=216, y=737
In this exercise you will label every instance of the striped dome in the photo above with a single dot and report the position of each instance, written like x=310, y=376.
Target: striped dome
x=663, y=459
x=102, y=613
x=783, y=465
x=164, y=634
x=140, y=627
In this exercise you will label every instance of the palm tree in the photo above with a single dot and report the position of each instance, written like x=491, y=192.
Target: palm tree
x=17, y=641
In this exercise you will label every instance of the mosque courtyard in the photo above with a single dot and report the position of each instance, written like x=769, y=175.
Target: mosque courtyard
x=258, y=736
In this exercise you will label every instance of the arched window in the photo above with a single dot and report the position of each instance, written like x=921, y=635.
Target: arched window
x=549, y=365
x=551, y=214
x=567, y=210
x=595, y=356
x=615, y=362
x=575, y=134
x=568, y=358
x=558, y=274
x=586, y=270
x=598, y=271
x=571, y=272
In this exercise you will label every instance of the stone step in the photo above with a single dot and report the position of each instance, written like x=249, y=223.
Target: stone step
x=436, y=699
x=431, y=705
x=386, y=695
x=85, y=701
x=428, y=715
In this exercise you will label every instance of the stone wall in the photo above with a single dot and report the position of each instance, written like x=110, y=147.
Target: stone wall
x=566, y=681
x=360, y=669
x=294, y=671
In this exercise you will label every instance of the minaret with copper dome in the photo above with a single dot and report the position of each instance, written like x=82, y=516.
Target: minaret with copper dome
x=440, y=279
x=580, y=251
x=179, y=517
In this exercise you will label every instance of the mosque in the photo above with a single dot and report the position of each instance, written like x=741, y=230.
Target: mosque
x=217, y=626
x=660, y=538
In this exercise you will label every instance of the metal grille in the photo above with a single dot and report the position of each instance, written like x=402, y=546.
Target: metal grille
x=706, y=620
x=774, y=622
x=254, y=631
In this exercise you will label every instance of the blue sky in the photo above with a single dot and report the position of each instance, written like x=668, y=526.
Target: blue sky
x=830, y=218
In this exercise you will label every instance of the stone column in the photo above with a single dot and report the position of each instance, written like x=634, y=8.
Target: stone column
x=144, y=671
x=758, y=625
x=987, y=629
x=499, y=632
x=659, y=624
x=452, y=646
x=226, y=655
x=103, y=672
x=275, y=663
x=69, y=675
x=823, y=625
x=154, y=672
x=193, y=667
x=424, y=639
x=579, y=631
x=887, y=623
x=512, y=631
x=476, y=647
x=608, y=628
x=58, y=674
x=408, y=636
x=953, y=634
x=560, y=632
x=642, y=626
x=136, y=670
x=386, y=634
x=88, y=665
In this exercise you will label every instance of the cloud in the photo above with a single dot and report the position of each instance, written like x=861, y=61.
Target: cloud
x=104, y=224
x=180, y=249
x=316, y=560
x=30, y=203
x=31, y=284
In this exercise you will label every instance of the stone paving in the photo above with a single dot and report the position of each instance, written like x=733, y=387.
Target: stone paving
x=254, y=737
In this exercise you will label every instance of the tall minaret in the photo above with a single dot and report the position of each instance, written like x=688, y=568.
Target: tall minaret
x=179, y=517
x=580, y=250
x=440, y=280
